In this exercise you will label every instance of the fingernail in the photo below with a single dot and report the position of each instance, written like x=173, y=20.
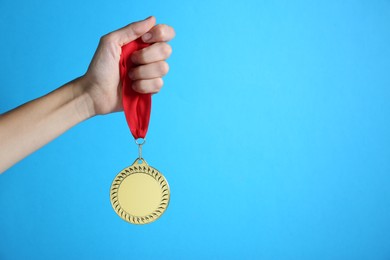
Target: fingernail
x=146, y=37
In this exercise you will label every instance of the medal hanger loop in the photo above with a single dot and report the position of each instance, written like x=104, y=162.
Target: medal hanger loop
x=140, y=142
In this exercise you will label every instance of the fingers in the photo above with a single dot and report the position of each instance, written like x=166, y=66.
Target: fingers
x=148, y=85
x=159, y=33
x=157, y=52
x=149, y=71
x=147, y=78
x=132, y=31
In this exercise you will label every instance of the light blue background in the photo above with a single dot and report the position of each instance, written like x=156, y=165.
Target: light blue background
x=273, y=130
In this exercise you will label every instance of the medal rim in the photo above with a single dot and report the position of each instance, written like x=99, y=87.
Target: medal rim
x=133, y=169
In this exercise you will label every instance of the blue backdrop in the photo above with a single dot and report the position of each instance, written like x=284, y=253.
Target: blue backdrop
x=273, y=130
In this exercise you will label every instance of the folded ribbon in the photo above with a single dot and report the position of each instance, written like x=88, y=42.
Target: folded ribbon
x=136, y=106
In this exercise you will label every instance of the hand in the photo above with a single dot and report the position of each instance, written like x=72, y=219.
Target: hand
x=102, y=80
x=26, y=128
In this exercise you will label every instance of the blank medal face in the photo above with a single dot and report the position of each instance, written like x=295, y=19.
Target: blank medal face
x=139, y=193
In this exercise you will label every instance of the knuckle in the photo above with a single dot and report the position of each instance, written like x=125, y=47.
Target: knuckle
x=164, y=67
x=159, y=83
x=160, y=31
x=166, y=49
x=138, y=86
x=106, y=38
x=135, y=29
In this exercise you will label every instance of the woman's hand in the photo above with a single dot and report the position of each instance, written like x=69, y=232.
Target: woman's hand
x=25, y=129
x=102, y=80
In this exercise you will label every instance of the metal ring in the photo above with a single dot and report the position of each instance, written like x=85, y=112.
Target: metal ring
x=140, y=143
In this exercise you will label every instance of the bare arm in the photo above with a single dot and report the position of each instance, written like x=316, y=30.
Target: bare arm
x=32, y=125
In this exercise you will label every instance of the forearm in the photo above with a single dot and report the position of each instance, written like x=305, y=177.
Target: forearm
x=34, y=124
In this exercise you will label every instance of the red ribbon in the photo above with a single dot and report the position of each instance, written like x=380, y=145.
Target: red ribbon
x=136, y=106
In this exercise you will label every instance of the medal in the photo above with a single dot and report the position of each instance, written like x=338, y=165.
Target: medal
x=139, y=193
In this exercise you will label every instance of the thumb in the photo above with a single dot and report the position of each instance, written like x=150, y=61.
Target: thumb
x=134, y=30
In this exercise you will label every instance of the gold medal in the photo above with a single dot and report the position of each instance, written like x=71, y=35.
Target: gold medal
x=139, y=194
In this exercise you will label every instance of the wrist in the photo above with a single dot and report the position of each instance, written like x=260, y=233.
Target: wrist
x=83, y=102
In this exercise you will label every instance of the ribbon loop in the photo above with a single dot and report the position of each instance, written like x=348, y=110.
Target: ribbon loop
x=136, y=106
